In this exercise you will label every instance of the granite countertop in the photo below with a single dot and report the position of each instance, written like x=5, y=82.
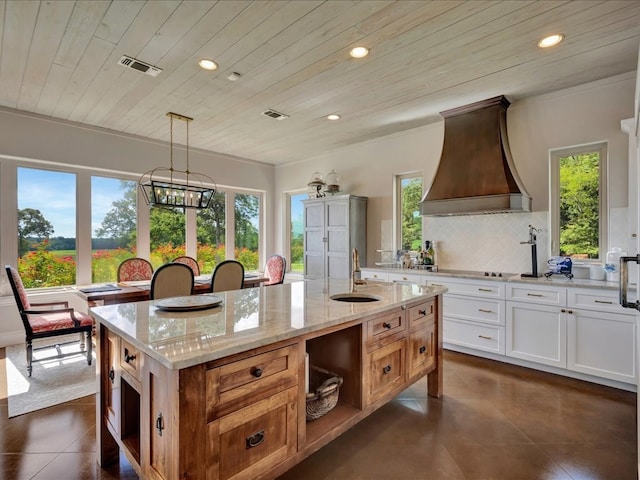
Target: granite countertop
x=553, y=280
x=248, y=318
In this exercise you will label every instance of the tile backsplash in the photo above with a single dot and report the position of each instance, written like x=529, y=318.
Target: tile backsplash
x=492, y=242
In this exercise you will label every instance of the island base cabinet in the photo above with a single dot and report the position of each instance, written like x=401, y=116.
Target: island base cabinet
x=602, y=344
x=253, y=440
x=386, y=369
x=160, y=426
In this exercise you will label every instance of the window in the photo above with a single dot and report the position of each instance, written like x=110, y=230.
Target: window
x=296, y=232
x=113, y=226
x=578, y=202
x=211, y=233
x=46, y=227
x=408, y=218
x=247, y=228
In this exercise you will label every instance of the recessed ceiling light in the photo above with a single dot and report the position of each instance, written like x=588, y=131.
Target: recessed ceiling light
x=359, y=52
x=207, y=64
x=551, y=40
x=333, y=116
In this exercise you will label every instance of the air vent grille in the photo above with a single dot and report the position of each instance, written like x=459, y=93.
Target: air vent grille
x=143, y=67
x=273, y=114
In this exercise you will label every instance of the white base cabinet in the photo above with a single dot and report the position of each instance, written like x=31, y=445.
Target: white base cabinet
x=537, y=333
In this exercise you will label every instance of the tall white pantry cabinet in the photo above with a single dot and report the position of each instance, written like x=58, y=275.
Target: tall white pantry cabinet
x=333, y=227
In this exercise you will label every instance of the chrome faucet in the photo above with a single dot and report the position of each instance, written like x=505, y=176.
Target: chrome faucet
x=355, y=270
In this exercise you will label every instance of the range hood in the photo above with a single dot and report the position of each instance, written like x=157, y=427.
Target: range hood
x=476, y=173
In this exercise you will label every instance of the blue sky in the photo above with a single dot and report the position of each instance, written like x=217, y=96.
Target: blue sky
x=54, y=194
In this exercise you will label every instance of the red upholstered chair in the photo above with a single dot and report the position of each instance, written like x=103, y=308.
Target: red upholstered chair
x=48, y=322
x=274, y=269
x=189, y=262
x=134, y=270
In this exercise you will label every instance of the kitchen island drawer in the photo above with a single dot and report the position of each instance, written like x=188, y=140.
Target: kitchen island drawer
x=421, y=314
x=385, y=326
x=481, y=337
x=474, y=309
x=540, y=294
x=240, y=383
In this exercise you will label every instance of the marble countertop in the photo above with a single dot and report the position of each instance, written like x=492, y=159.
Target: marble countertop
x=553, y=280
x=247, y=318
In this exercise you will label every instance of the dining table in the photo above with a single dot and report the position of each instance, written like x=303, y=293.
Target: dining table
x=136, y=291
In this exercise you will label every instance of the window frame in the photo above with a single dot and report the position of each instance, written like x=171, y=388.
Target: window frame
x=288, y=224
x=397, y=207
x=554, y=196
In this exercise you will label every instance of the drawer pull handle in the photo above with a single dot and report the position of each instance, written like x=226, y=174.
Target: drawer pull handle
x=484, y=310
x=386, y=369
x=159, y=424
x=423, y=349
x=485, y=290
x=486, y=337
x=112, y=375
x=601, y=301
x=256, y=372
x=422, y=312
x=534, y=294
x=255, y=439
x=128, y=358
x=386, y=325
x=437, y=285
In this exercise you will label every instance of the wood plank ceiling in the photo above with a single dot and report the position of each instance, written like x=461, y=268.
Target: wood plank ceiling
x=60, y=59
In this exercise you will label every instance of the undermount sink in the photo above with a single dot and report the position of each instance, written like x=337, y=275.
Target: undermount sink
x=355, y=297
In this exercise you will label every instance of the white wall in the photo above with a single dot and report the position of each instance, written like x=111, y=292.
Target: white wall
x=584, y=114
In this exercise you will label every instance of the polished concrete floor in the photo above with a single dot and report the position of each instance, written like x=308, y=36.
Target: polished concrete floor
x=494, y=422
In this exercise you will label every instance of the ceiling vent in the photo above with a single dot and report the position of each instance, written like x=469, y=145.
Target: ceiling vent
x=273, y=114
x=129, y=62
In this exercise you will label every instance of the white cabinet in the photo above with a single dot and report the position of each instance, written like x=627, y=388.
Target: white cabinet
x=473, y=313
x=537, y=333
x=374, y=275
x=333, y=227
x=404, y=277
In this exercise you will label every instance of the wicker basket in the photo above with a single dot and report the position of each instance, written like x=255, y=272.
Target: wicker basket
x=325, y=386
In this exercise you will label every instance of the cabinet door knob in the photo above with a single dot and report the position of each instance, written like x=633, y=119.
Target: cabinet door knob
x=386, y=369
x=255, y=439
x=160, y=423
x=128, y=358
x=112, y=375
x=386, y=325
x=423, y=349
x=256, y=372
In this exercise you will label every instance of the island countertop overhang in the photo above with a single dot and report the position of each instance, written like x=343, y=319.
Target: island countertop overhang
x=249, y=318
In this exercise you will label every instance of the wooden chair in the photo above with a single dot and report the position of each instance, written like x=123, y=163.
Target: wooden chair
x=190, y=262
x=228, y=275
x=48, y=322
x=135, y=269
x=171, y=280
x=274, y=269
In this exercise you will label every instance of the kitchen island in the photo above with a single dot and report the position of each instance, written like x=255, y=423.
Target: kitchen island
x=220, y=393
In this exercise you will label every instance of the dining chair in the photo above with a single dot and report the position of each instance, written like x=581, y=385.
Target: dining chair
x=49, y=321
x=274, y=269
x=135, y=269
x=190, y=262
x=171, y=280
x=228, y=275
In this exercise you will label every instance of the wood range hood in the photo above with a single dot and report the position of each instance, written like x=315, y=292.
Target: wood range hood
x=476, y=174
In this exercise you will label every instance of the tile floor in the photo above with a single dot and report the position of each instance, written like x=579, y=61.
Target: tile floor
x=495, y=422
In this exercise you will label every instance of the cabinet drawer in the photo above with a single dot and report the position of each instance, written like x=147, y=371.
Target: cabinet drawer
x=385, y=326
x=485, y=289
x=421, y=314
x=541, y=294
x=474, y=309
x=386, y=369
x=405, y=278
x=600, y=300
x=254, y=439
x=481, y=337
x=379, y=276
x=238, y=384
x=422, y=349
x=130, y=359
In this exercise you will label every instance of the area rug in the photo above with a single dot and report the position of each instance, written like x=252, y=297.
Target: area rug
x=54, y=380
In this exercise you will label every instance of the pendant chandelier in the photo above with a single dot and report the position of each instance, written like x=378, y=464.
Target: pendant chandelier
x=169, y=187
